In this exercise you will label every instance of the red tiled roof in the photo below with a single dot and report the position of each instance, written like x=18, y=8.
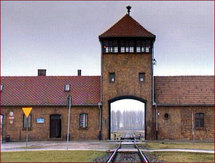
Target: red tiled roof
x=127, y=27
x=49, y=90
x=85, y=90
x=182, y=90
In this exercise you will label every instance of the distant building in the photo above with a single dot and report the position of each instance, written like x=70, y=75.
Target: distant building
x=177, y=107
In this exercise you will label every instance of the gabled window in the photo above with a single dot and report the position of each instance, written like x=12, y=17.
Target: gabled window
x=112, y=77
x=27, y=122
x=67, y=88
x=199, y=120
x=141, y=77
x=83, y=120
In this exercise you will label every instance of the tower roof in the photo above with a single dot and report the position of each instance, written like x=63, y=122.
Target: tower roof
x=127, y=27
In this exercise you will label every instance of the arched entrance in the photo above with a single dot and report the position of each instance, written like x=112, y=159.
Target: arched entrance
x=127, y=117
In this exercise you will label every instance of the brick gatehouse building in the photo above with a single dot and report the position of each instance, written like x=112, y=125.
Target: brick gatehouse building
x=176, y=107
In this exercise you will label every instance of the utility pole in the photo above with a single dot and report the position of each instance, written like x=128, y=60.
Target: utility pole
x=100, y=120
x=69, y=104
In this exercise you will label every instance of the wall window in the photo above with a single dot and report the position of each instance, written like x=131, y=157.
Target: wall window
x=141, y=77
x=199, y=120
x=83, y=120
x=27, y=122
x=112, y=77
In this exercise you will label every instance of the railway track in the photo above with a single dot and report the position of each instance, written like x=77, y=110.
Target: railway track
x=127, y=151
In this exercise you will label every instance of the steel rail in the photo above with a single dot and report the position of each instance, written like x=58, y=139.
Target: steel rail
x=113, y=155
x=143, y=157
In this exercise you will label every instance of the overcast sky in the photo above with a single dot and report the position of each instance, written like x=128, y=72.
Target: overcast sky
x=131, y=105
x=63, y=36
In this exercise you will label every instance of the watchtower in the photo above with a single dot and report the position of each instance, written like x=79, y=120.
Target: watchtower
x=126, y=67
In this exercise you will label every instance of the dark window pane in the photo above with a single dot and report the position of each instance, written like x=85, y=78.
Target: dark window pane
x=112, y=77
x=141, y=76
x=199, y=120
x=122, y=43
x=115, y=43
x=131, y=43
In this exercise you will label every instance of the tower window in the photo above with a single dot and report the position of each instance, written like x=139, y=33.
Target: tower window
x=141, y=76
x=112, y=77
x=199, y=120
x=122, y=46
x=131, y=49
x=115, y=50
x=140, y=47
x=122, y=49
x=110, y=47
x=148, y=46
x=83, y=120
x=127, y=46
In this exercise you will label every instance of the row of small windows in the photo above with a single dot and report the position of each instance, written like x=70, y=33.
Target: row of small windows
x=112, y=77
x=83, y=121
x=199, y=119
x=127, y=46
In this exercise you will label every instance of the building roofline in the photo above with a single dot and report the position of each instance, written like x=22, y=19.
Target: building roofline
x=49, y=76
x=185, y=76
x=181, y=105
x=49, y=105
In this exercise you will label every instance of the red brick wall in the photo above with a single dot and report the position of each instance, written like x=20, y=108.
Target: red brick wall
x=42, y=131
x=179, y=124
x=127, y=68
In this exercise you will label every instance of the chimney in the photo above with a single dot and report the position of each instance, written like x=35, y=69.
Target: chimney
x=41, y=72
x=79, y=72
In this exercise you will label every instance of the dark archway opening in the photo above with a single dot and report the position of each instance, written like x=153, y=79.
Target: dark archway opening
x=127, y=118
x=55, y=126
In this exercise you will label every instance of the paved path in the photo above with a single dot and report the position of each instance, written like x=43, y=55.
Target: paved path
x=50, y=145
x=167, y=150
x=80, y=145
x=179, y=150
